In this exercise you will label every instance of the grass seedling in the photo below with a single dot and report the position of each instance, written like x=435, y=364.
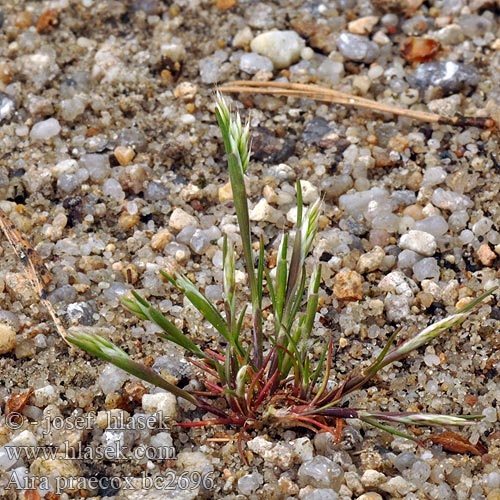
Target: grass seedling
x=270, y=379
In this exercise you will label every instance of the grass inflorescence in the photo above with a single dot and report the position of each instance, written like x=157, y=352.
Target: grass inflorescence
x=269, y=379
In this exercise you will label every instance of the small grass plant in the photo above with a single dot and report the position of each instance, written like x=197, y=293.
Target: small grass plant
x=270, y=378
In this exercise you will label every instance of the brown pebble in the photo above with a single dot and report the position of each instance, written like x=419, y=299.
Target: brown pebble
x=5, y=72
x=128, y=221
x=348, y=285
x=486, y=255
x=379, y=237
x=425, y=299
x=414, y=181
x=47, y=21
x=7, y=338
x=418, y=49
x=124, y=155
x=23, y=20
x=225, y=4
x=414, y=211
x=225, y=193
x=186, y=91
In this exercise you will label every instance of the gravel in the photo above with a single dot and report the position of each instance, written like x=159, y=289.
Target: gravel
x=112, y=166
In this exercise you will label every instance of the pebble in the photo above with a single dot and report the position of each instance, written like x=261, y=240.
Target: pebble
x=179, y=219
x=434, y=175
x=310, y=193
x=113, y=189
x=370, y=261
x=486, y=255
x=160, y=239
x=97, y=166
x=45, y=130
x=202, y=238
x=111, y=379
x=320, y=494
x=419, y=241
x=7, y=107
x=248, y=484
x=449, y=200
x=372, y=478
x=475, y=26
x=320, y=472
x=72, y=108
x=283, y=48
x=161, y=402
x=397, y=307
x=435, y=225
x=7, y=338
x=397, y=486
x=370, y=495
x=124, y=155
x=225, y=193
x=348, y=285
x=363, y=25
x=54, y=469
x=263, y=212
x=357, y=48
x=252, y=63
x=449, y=76
x=281, y=455
x=426, y=268
x=214, y=68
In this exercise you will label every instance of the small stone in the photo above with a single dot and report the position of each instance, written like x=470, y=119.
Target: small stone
x=97, y=166
x=252, y=63
x=58, y=471
x=160, y=239
x=262, y=211
x=397, y=307
x=243, y=38
x=185, y=91
x=124, y=155
x=7, y=338
x=449, y=200
x=320, y=472
x=111, y=379
x=370, y=495
x=485, y=255
x=214, y=68
x=45, y=130
x=179, y=219
x=73, y=107
x=44, y=396
x=450, y=76
x=493, y=494
x=225, y=193
x=161, y=402
x=363, y=25
x=7, y=107
x=398, y=486
x=357, y=48
x=310, y=193
x=348, y=285
x=370, y=261
x=419, y=241
x=372, y=478
x=225, y=4
x=283, y=48
x=320, y=494
x=426, y=268
x=127, y=221
x=113, y=189
x=248, y=484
